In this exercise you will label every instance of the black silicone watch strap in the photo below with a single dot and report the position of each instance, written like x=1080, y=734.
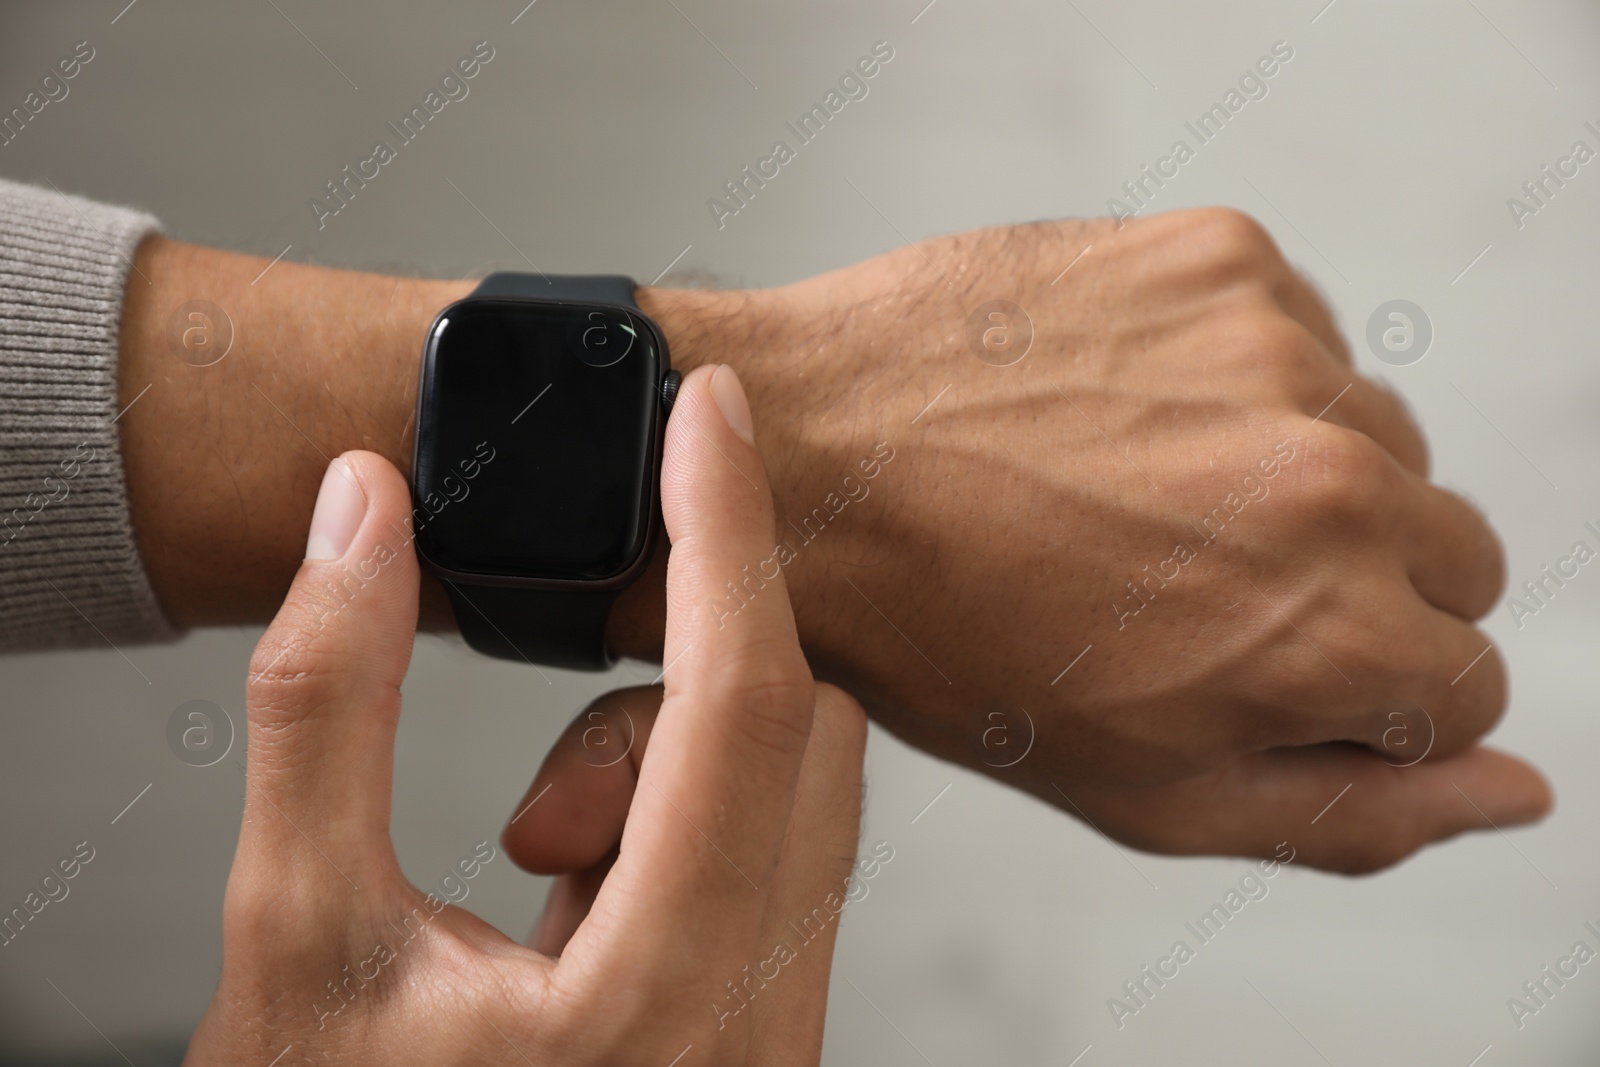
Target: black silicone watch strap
x=578, y=288
x=553, y=627
x=559, y=628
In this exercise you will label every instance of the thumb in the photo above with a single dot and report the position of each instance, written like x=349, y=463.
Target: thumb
x=1391, y=811
x=323, y=695
x=1341, y=807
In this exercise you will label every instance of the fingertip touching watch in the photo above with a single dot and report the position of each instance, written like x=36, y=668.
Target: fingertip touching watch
x=537, y=460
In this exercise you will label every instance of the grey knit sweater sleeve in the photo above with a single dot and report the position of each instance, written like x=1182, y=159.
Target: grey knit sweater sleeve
x=70, y=572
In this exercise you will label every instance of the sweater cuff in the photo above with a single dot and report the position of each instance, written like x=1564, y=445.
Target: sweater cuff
x=70, y=572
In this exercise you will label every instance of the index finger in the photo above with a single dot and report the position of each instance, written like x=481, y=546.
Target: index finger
x=716, y=788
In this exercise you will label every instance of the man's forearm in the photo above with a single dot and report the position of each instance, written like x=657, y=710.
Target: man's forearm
x=224, y=458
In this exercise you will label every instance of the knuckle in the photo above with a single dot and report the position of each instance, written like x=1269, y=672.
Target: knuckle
x=1403, y=422
x=264, y=909
x=775, y=697
x=841, y=719
x=1233, y=236
x=1485, y=555
x=254, y=904
x=296, y=668
x=770, y=716
x=1352, y=482
x=1476, y=700
x=1271, y=340
x=1495, y=572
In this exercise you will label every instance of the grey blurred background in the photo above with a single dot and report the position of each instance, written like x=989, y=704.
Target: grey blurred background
x=1382, y=159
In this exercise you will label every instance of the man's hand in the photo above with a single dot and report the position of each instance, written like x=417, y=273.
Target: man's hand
x=712, y=863
x=1178, y=547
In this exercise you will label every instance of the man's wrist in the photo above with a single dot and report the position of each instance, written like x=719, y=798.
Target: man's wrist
x=638, y=619
x=744, y=329
x=224, y=458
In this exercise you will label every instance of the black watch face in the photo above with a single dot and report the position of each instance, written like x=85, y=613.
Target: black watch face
x=536, y=440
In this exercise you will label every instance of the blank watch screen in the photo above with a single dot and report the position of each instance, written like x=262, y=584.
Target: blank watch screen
x=536, y=437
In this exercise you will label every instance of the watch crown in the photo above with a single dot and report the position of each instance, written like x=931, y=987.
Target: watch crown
x=669, y=390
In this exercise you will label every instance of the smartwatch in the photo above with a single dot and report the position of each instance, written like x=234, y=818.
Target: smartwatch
x=537, y=459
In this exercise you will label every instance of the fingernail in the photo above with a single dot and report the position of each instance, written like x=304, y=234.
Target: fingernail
x=341, y=505
x=729, y=395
